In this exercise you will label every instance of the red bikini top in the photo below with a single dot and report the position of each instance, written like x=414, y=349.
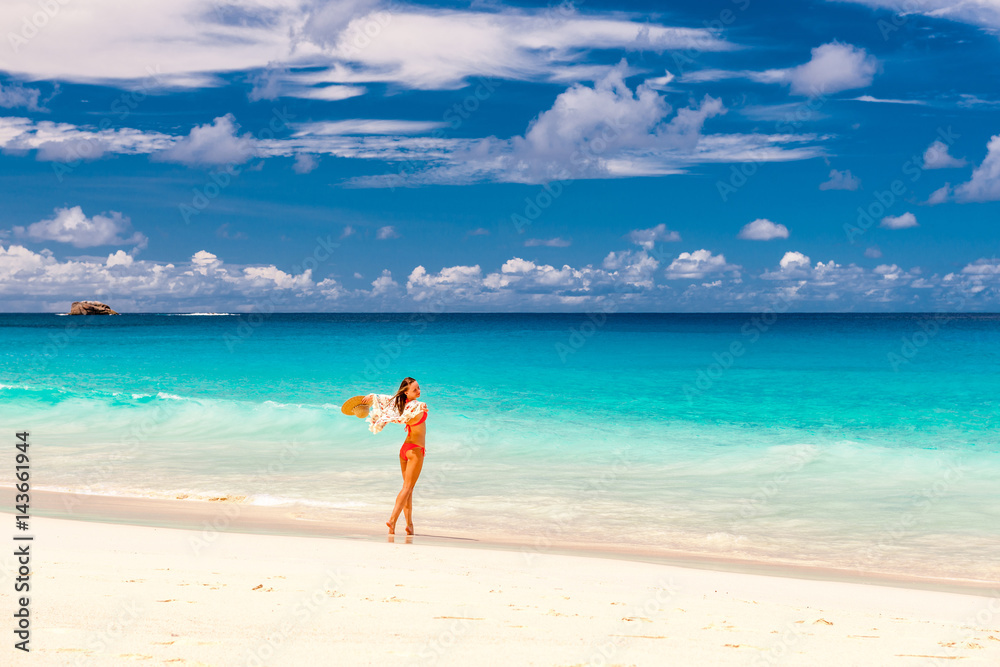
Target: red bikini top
x=423, y=418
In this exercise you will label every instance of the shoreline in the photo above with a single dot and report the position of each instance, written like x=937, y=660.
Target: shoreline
x=105, y=593
x=209, y=519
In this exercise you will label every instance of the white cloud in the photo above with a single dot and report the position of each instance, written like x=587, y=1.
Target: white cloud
x=793, y=266
x=873, y=252
x=460, y=282
x=274, y=278
x=699, y=264
x=551, y=243
x=16, y=95
x=982, y=13
x=211, y=144
x=903, y=221
x=604, y=131
x=203, y=283
x=841, y=180
x=305, y=163
x=607, y=131
x=632, y=268
x=832, y=68
x=275, y=82
x=365, y=126
x=762, y=229
x=985, y=182
x=441, y=49
x=387, y=232
x=971, y=101
x=348, y=231
x=31, y=281
x=70, y=225
x=384, y=284
x=300, y=45
x=940, y=195
x=983, y=267
x=647, y=238
x=119, y=258
x=64, y=142
x=936, y=157
x=869, y=98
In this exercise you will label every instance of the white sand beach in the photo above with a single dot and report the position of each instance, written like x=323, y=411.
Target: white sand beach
x=113, y=594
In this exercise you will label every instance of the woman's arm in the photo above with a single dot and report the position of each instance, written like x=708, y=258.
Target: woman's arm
x=419, y=419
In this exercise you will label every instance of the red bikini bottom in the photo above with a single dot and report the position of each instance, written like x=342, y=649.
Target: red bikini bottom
x=407, y=446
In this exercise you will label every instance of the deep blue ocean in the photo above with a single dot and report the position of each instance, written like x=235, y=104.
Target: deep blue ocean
x=865, y=442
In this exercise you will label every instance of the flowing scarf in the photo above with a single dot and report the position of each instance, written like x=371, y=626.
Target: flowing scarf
x=382, y=411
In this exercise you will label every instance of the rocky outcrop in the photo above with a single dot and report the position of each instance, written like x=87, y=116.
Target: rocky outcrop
x=91, y=308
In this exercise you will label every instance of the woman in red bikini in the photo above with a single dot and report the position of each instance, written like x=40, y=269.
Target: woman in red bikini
x=403, y=408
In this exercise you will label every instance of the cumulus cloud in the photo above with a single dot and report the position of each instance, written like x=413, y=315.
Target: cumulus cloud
x=983, y=267
x=589, y=126
x=557, y=242
x=460, y=282
x=119, y=258
x=626, y=281
x=793, y=265
x=903, y=221
x=985, y=182
x=873, y=252
x=602, y=131
x=647, y=238
x=936, y=157
x=632, y=268
x=214, y=143
x=832, y=68
x=699, y=264
x=384, y=284
x=70, y=225
x=387, y=232
x=762, y=229
x=841, y=180
x=202, y=283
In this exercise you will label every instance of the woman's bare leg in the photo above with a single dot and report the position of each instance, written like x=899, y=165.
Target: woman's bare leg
x=414, y=463
x=408, y=508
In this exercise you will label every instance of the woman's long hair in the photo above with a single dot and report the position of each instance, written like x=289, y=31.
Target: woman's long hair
x=400, y=398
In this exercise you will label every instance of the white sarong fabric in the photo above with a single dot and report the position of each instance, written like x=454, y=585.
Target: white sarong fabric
x=382, y=411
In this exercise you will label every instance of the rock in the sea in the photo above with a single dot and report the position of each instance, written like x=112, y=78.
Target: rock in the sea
x=91, y=308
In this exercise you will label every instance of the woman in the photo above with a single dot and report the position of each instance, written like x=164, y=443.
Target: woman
x=402, y=408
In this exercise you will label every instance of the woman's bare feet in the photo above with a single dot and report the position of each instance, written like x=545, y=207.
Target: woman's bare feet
x=409, y=529
x=392, y=528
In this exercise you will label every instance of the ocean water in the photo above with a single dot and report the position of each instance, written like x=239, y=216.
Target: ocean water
x=863, y=442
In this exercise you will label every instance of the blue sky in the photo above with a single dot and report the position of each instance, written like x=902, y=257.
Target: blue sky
x=732, y=155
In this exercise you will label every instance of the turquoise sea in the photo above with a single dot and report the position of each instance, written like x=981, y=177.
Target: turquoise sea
x=856, y=441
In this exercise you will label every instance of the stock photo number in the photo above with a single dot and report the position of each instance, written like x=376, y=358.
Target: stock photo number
x=22, y=582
